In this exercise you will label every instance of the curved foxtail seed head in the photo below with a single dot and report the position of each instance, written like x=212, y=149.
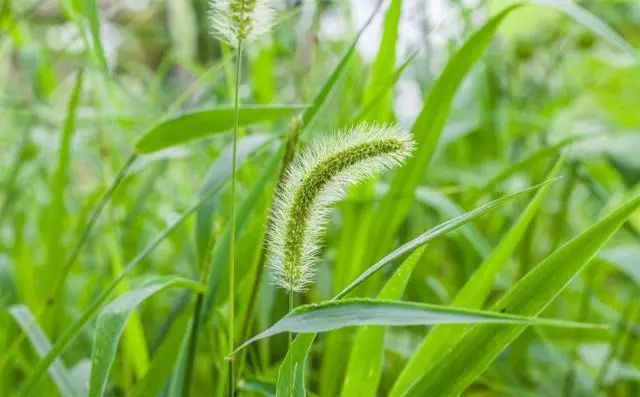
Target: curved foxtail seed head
x=233, y=21
x=317, y=178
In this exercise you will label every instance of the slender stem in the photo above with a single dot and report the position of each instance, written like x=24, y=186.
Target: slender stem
x=290, y=348
x=232, y=240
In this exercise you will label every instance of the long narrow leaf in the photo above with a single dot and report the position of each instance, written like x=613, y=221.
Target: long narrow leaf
x=111, y=322
x=327, y=316
x=59, y=373
x=200, y=124
x=472, y=295
x=529, y=297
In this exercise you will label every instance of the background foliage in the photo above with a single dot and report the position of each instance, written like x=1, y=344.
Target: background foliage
x=88, y=86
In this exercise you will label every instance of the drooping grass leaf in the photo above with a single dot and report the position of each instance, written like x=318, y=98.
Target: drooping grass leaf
x=328, y=316
x=365, y=362
x=472, y=295
x=200, y=124
x=59, y=373
x=111, y=322
x=529, y=297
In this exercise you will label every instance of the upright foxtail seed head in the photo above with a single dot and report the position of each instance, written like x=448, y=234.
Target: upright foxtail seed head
x=233, y=21
x=317, y=178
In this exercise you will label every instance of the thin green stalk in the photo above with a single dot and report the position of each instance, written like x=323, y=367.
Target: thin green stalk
x=290, y=348
x=232, y=240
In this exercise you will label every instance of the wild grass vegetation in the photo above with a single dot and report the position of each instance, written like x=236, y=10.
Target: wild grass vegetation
x=447, y=192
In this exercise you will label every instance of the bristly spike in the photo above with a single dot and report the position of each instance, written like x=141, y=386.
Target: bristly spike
x=235, y=21
x=317, y=178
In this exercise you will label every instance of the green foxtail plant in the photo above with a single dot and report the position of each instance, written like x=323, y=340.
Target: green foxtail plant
x=317, y=178
x=237, y=22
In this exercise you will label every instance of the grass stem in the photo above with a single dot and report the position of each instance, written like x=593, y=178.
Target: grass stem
x=232, y=240
x=290, y=348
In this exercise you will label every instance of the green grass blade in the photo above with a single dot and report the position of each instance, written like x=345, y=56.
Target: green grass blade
x=365, y=362
x=60, y=178
x=219, y=257
x=443, y=204
x=384, y=64
x=111, y=322
x=91, y=10
x=218, y=173
x=472, y=295
x=430, y=123
x=432, y=234
x=592, y=22
x=90, y=312
x=163, y=360
x=320, y=99
x=526, y=162
x=60, y=375
x=203, y=123
x=529, y=297
x=302, y=343
x=331, y=315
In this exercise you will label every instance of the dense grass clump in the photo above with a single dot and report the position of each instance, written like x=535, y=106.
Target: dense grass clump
x=429, y=198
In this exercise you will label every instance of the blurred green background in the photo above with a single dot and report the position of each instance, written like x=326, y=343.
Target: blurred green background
x=546, y=84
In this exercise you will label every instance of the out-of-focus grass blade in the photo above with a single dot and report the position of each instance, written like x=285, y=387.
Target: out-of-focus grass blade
x=257, y=386
x=328, y=86
x=91, y=11
x=592, y=22
x=529, y=297
x=59, y=182
x=60, y=375
x=472, y=295
x=74, y=329
x=365, y=362
x=384, y=89
x=429, y=125
x=200, y=124
x=626, y=259
x=443, y=204
x=218, y=173
x=432, y=234
x=384, y=64
x=111, y=322
x=220, y=254
x=327, y=316
x=526, y=162
x=164, y=359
